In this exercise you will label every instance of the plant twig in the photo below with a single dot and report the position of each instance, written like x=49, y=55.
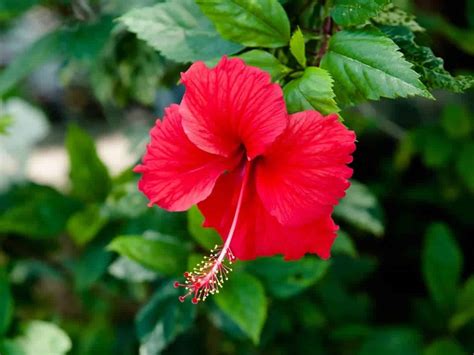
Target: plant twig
x=325, y=34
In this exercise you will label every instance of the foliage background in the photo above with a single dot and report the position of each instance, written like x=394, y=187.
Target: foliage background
x=87, y=268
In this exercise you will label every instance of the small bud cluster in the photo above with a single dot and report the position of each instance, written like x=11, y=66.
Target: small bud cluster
x=208, y=276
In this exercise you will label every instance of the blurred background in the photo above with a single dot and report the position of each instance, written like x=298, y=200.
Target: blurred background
x=78, y=96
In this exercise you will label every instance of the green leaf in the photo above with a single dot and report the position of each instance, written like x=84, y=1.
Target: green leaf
x=312, y=91
x=361, y=208
x=251, y=23
x=38, y=53
x=360, y=71
x=5, y=122
x=265, y=61
x=6, y=302
x=124, y=201
x=162, y=319
x=40, y=337
x=89, y=177
x=208, y=238
x=243, y=300
x=441, y=265
x=356, y=12
x=179, y=30
x=456, y=120
x=436, y=148
x=84, y=225
x=465, y=165
x=444, y=347
x=158, y=252
x=344, y=245
x=392, y=341
x=45, y=210
x=285, y=279
x=430, y=67
x=297, y=47
x=465, y=306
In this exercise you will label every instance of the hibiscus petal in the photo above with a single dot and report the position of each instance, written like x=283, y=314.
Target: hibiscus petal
x=304, y=174
x=230, y=105
x=258, y=233
x=177, y=174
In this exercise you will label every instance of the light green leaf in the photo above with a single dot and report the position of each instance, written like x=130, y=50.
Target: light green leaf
x=208, y=238
x=285, y=279
x=40, y=337
x=444, y=347
x=367, y=65
x=179, y=30
x=5, y=122
x=430, y=67
x=297, y=47
x=391, y=15
x=6, y=302
x=126, y=269
x=252, y=23
x=37, y=54
x=356, y=12
x=243, y=300
x=312, y=91
x=162, y=319
x=89, y=177
x=160, y=252
x=465, y=165
x=265, y=61
x=361, y=208
x=84, y=225
x=392, y=341
x=441, y=265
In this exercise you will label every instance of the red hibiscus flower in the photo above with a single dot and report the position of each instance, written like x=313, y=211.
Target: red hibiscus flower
x=265, y=180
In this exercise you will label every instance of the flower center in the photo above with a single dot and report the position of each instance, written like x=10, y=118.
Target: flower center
x=209, y=275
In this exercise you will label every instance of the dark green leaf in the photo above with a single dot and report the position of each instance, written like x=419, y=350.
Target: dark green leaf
x=179, y=30
x=91, y=266
x=89, y=177
x=158, y=252
x=265, y=61
x=436, y=148
x=441, y=265
x=393, y=341
x=430, y=67
x=45, y=210
x=251, y=23
x=285, y=279
x=344, y=245
x=465, y=306
x=312, y=91
x=243, y=299
x=361, y=208
x=84, y=225
x=360, y=72
x=208, y=238
x=465, y=165
x=6, y=302
x=456, y=120
x=297, y=47
x=444, y=347
x=162, y=319
x=356, y=12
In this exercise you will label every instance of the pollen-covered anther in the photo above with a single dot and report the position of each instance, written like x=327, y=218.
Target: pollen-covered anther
x=208, y=276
